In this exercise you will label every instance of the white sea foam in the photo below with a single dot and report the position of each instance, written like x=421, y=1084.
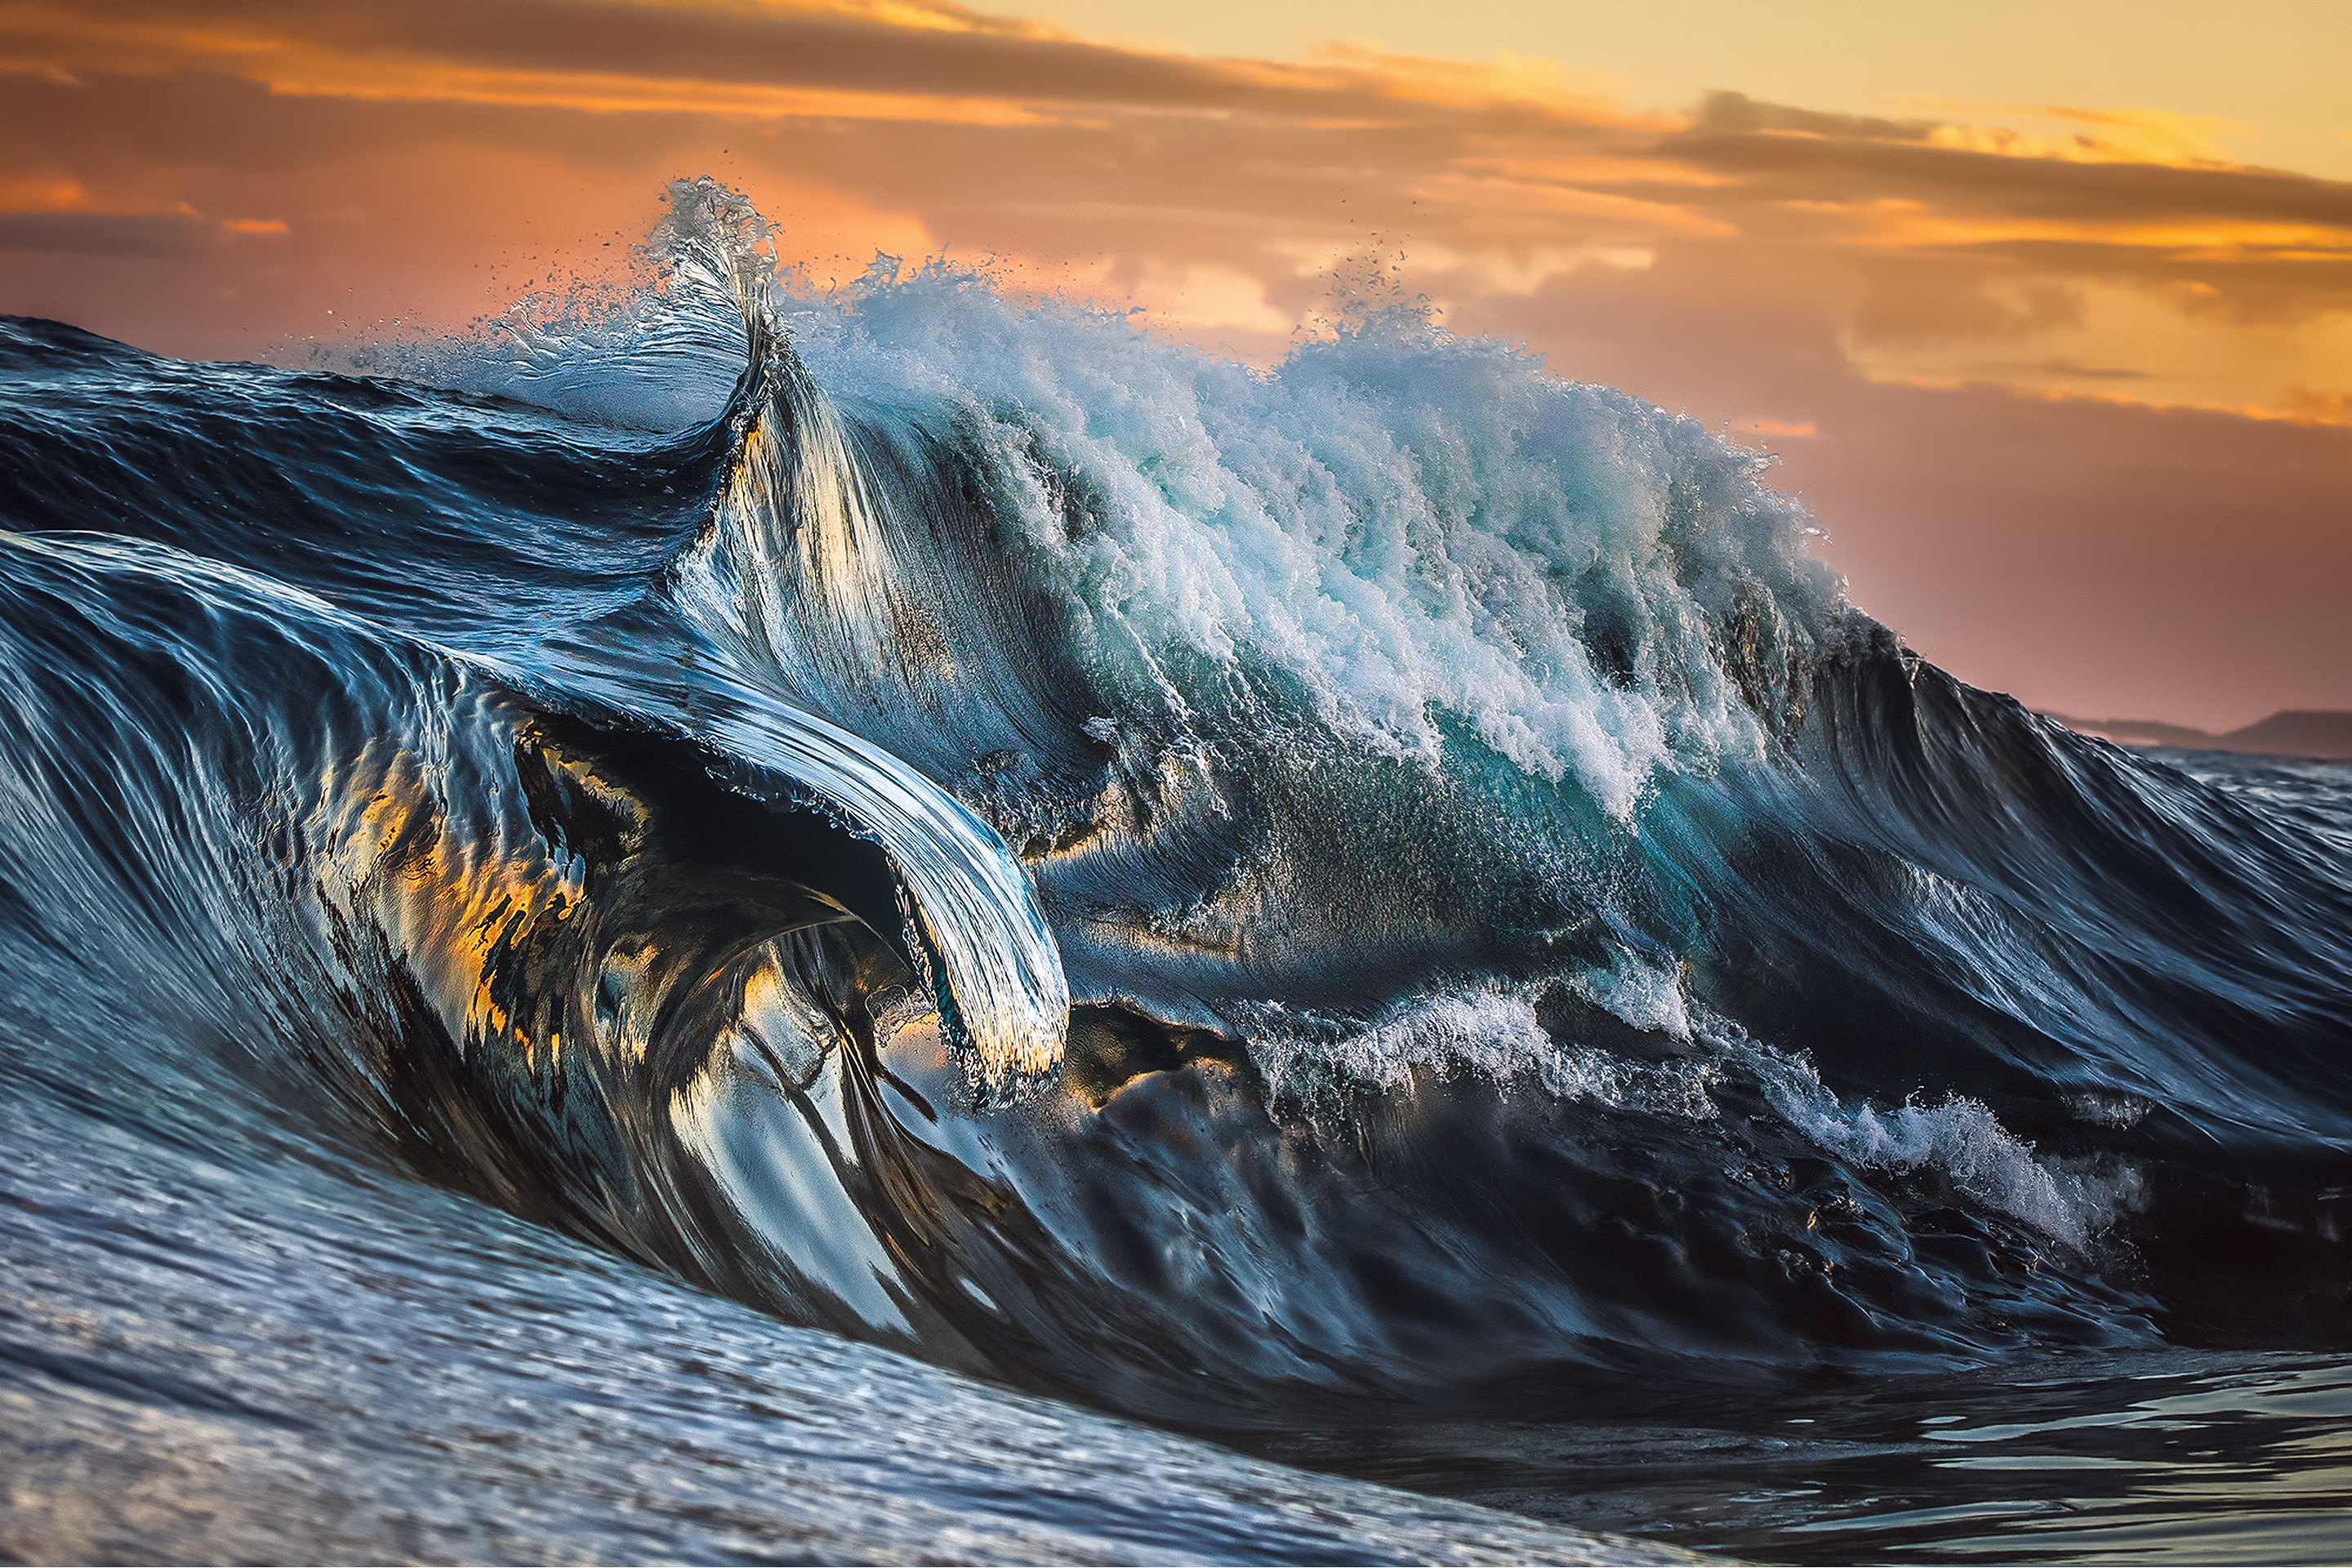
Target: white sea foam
x=1959, y=1136
x=1648, y=995
x=1405, y=523
x=1491, y=1033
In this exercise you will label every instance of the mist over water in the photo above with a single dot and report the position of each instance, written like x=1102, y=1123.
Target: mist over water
x=752, y=920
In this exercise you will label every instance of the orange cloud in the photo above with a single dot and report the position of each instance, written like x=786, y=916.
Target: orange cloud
x=2318, y=407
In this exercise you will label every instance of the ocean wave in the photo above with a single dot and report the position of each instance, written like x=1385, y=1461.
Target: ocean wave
x=1211, y=891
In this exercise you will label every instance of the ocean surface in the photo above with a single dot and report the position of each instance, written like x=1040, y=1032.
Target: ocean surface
x=732, y=921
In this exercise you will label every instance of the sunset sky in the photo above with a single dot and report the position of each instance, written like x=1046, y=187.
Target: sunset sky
x=2048, y=308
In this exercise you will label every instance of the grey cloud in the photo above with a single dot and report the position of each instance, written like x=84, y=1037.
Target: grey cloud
x=153, y=235
x=1736, y=113
x=1821, y=167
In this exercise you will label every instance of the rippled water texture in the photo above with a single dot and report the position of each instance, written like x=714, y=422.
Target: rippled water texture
x=739, y=924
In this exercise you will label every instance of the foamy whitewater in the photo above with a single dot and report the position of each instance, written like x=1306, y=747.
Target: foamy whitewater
x=762, y=922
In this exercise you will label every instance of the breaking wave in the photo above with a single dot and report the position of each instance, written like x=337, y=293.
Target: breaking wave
x=1216, y=893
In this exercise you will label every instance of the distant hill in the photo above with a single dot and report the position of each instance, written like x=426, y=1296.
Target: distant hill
x=2297, y=732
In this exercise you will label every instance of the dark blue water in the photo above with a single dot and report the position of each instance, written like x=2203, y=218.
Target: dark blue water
x=744, y=925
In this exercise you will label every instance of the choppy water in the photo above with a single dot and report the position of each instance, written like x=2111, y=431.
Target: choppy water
x=749, y=925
